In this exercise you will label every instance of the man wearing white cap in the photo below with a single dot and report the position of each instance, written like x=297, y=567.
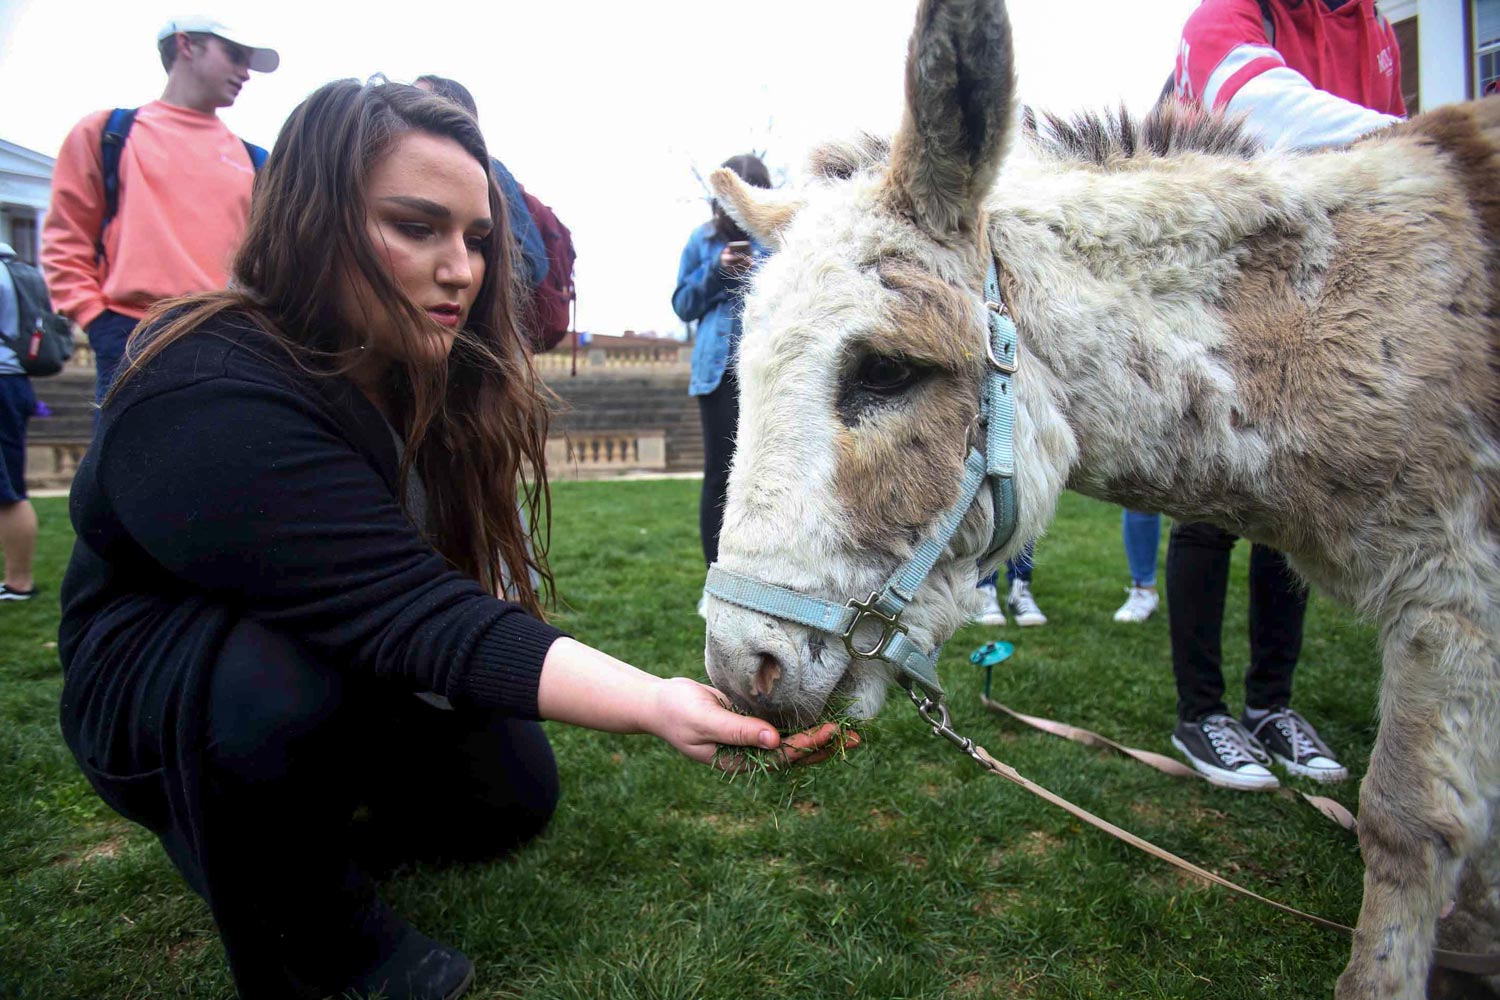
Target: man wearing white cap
x=160, y=215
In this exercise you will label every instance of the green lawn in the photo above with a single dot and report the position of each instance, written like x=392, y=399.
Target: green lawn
x=905, y=872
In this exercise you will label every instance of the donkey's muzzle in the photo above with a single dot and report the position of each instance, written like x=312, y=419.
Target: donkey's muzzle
x=758, y=662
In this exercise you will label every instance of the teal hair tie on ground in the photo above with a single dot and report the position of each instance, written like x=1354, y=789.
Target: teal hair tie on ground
x=987, y=656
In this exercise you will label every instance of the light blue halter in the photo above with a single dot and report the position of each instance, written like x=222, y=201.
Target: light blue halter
x=882, y=609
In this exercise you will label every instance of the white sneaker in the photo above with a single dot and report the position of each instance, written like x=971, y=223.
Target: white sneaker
x=1138, y=606
x=1023, y=605
x=989, y=613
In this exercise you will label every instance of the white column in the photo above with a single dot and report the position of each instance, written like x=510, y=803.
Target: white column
x=1444, y=59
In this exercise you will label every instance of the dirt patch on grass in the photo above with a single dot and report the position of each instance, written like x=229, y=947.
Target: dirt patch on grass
x=105, y=850
x=997, y=903
x=1174, y=880
x=109, y=849
x=976, y=985
x=189, y=948
x=883, y=819
x=1150, y=810
x=1038, y=844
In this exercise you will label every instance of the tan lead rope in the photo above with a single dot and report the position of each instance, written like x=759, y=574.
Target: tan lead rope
x=1460, y=961
x=1330, y=808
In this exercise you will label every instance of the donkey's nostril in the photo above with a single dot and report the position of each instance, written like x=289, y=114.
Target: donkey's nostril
x=766, y=676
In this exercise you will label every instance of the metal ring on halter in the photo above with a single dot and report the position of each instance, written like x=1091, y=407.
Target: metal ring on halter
x=889, y=626
x=1003, y=367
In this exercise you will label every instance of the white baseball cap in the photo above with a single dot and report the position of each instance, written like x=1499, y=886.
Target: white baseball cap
x=262, y=59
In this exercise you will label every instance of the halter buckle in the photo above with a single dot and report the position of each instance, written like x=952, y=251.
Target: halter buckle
x=889, y=626
x=1004, y=367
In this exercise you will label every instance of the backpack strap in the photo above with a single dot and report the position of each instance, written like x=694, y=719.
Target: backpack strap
x=110, y=145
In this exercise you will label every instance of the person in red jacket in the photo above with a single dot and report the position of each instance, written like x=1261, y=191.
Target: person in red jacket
x=1305, y=74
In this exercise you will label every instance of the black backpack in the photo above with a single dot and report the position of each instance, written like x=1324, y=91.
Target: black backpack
x=111, y=142
x=44, y=339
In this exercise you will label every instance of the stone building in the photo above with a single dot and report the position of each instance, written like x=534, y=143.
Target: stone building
x=25, y=185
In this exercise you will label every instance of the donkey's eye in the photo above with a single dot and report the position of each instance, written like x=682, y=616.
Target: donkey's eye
x=886, y=375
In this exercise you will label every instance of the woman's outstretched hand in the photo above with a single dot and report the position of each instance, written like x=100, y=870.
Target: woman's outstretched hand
x=695, y=720
x=583, y=686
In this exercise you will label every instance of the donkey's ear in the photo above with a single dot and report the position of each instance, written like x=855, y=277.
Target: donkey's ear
x=758, y=212
x=960, y=99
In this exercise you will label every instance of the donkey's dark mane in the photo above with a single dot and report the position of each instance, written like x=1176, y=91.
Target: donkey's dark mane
x=1104, y=138
x=1100, y=138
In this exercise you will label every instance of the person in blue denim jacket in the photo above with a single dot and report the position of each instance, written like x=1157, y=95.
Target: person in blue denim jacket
x=711, y=282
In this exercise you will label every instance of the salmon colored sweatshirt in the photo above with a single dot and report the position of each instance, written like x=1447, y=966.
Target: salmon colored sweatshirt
x=185, y=184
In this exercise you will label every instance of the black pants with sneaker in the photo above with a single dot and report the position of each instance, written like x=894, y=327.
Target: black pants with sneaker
x=720, y=414
x=1198, y=557
x=314, y=778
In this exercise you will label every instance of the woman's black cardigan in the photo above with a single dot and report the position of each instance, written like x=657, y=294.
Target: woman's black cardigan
x=223, y=483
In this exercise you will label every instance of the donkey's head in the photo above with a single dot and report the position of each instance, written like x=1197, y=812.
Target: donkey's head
x=860, y=372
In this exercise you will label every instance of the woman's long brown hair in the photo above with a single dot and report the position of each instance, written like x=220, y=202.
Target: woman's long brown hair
x=475, y=428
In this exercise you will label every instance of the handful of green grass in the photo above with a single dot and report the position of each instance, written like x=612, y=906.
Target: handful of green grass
x=753, y=762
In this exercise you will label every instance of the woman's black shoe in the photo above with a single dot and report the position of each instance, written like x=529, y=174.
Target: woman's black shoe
x=418, y=968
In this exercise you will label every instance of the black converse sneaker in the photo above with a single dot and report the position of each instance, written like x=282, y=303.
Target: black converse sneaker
x=1224, y=752
x=1296, y=745
x=12, y=594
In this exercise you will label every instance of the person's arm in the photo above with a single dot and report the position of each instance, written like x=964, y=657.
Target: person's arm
x=1227, y=63
x=74, y=216
x=700, y=281
x=1283, y=108
x=585, y=687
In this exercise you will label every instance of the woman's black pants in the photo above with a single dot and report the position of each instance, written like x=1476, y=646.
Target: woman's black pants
x=1198, y=557
x=720, y=413
x=296, y=748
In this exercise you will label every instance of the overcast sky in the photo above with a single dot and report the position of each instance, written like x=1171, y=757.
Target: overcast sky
x=602, y=109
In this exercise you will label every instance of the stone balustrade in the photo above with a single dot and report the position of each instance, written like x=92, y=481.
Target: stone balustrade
x=83, y=354
x=583, y=454
x=50, y=464
x=668, y=354
x=625, y=411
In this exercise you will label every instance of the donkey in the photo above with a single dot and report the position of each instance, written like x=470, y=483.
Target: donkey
x=1304, y=348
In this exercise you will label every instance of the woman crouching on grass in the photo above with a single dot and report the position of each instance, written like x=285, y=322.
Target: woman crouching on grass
x=297, y=510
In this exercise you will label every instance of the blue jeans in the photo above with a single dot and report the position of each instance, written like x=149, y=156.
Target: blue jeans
x=1142, y=534
x=1018, y=568
x=107, y=336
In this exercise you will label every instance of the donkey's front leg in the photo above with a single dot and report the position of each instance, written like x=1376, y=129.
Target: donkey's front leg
x=1424, y=803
